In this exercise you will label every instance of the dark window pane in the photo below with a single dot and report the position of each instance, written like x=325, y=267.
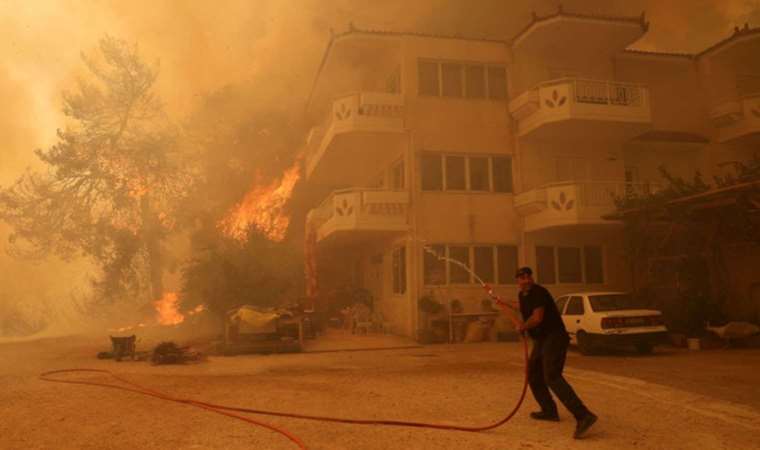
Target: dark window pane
x=479, y=174
x=497, y=83
x=484, y=267
x=432, y=173
x=574, y=307
x=427, y=73
x=457, y=274
x=545, y=265
x=399, y=270
x=594, y=264
x=451, y=75
x=455, y=179
x=507, y=261
x=476, y=82
x=502, y=174
x=434, y=268
x=569, y=265
x=397, y=176
x=561, y=304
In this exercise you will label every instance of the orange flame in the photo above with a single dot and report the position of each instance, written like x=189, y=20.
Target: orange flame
x=262, y=208
x=167, y=308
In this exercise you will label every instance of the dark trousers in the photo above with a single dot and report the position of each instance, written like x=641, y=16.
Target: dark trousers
x=546, y=363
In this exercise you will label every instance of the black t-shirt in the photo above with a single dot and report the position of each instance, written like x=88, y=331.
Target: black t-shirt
x=537, y=297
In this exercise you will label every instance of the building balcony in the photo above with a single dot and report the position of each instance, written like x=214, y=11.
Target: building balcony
x=352, y=215
x=573, y=203
x=355, y=138
x=572, y=108
x=737, y=120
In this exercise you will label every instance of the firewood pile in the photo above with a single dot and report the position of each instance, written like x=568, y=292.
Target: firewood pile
x=171, y=353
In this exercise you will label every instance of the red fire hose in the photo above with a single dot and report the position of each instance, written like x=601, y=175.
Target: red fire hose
x=230, y=411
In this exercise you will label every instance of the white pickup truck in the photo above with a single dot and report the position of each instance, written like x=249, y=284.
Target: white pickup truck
x=596, y=319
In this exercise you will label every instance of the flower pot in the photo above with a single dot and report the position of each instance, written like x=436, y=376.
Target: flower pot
x=694, y=343
x=677, y=340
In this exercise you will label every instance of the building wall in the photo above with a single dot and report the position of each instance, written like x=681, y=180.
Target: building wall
x=681, y=96
x=674, y=90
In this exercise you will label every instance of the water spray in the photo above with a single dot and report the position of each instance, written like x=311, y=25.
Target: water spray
x=506, y=307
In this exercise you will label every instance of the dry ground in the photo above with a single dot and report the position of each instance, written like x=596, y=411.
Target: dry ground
x=671, y=400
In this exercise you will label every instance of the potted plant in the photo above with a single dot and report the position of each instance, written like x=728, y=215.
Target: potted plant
x=428, y=307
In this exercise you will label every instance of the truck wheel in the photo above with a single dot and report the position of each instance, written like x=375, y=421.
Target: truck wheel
x=584, y=343
x=644, y=348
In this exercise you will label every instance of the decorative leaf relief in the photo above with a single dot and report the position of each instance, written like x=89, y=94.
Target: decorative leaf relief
x=569, y=205
x=556, y=100
x=556, y=206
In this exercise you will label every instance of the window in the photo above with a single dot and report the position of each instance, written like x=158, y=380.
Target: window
x=397, y=176
x=594, y=266
x=484, y=263
x=399, y=270
x=467, y=173
x=545, y=265
x=502, y=173
x=570, y=268
x=455, y=178
x=432, y=173
x=475, y=79
x=561, y=303
x=451, y=77
x=434, y=269
x=574, y=306
x=456, y=80
x=570, y=264
x=497, y=83
x=479, y=174
x=427, y=73
x=457, y=273
x=506, y=261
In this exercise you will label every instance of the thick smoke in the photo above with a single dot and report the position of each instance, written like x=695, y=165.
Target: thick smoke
x=269, y=48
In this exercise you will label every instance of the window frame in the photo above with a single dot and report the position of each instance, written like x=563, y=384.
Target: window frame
x=398, y=168
x=463, y=76
x=563, y=301
x=399, y=282
x=443, y=156
x=582, y=303
x=470, y=263
x=584, y=274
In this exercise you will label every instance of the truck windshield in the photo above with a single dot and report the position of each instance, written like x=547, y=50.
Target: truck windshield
x=611, y=302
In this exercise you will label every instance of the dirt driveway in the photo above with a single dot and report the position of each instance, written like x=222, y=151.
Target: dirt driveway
x=640, y=401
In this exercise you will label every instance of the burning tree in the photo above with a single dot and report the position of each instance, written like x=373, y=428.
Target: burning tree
x=111, y=181
x=225, y=272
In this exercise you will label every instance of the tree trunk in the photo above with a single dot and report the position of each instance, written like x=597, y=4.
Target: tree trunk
x=152, y=242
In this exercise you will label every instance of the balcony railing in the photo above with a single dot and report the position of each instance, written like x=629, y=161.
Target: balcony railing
x=607, y=93
x=360, y=210
x=358, y=112
x=581, y=99
x=571, y=203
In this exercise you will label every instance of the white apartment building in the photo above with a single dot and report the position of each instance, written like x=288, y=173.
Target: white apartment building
x=508, y=153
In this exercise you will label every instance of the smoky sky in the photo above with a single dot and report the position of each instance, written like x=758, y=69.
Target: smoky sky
x=272, y=46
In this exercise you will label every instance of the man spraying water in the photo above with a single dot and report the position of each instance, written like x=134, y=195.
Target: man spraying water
x=542, y=321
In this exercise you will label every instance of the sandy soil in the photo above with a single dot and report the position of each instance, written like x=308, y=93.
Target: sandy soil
x=640, y=401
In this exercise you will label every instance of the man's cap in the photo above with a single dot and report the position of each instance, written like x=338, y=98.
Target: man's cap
x=523, y=271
